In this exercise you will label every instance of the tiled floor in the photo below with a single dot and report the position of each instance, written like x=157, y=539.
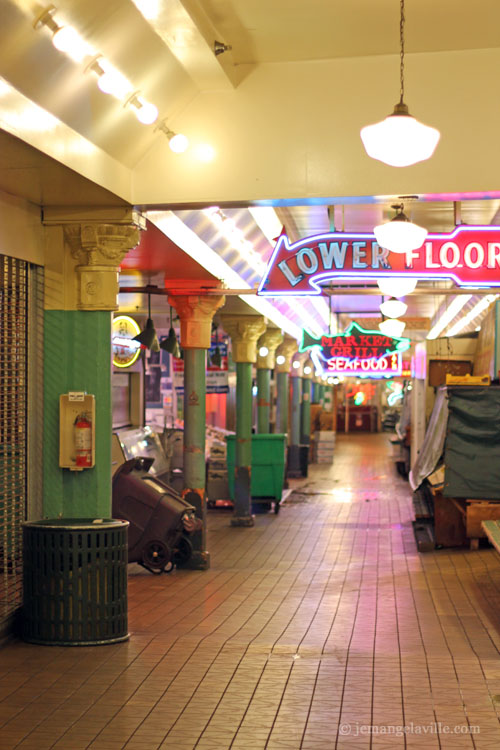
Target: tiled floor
x=319, y=628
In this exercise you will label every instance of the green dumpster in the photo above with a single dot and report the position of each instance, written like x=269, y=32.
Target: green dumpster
x=75, y=581
x=268, y=465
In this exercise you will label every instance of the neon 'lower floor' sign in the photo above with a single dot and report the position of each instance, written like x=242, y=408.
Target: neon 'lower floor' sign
x=469, y=256
x=356, y=352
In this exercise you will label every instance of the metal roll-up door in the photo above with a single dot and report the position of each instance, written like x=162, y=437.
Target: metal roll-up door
x=15, y=313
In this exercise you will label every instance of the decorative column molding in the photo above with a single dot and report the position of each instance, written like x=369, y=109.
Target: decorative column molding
x=271, y=338
x=99, y=250
x=245, y=331
x=287, y=349
x=196, y=313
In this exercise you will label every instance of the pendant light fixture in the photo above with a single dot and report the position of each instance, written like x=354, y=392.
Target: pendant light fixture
x=171, y=344
x=394, y=287
x=216, y=357
x=148, y=335
x=392, y=327
x=393, y=308
x=400, y=235
x=400, y=139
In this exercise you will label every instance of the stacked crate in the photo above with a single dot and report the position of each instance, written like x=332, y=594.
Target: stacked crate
x=217, y=484
x=323, y=446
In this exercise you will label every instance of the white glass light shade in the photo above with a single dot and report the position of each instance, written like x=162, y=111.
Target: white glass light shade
x=393, y=287
x=263, y=351
x=392, y=327
x=393, y=308
x=66, y=39
x=400, y=236
x=399, y=140
x=179, y=143
x=280, y=359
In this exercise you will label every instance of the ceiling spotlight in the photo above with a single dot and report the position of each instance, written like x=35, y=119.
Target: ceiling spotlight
x=64, y=38
x=177, y=141
x=145, y=112
x=216, y=357
x=171, y=344
x=147, y=336
x=394, y=287
x=220, y=48
x=392, y=327
x=400, y=235
x=393, y=308
x=400, y=139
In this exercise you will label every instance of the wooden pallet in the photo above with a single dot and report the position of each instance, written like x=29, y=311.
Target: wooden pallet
x=492, y=531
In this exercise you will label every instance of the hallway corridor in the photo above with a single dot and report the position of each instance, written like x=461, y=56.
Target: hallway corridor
x=320, y=628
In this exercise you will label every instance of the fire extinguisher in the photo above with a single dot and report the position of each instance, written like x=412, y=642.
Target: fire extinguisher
x=83, y=441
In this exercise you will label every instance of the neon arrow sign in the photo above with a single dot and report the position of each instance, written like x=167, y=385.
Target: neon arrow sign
x=470, y=256
x=356, y=352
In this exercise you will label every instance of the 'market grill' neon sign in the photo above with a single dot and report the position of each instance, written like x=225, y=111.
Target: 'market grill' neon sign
x=356, y=352
x=470, y=256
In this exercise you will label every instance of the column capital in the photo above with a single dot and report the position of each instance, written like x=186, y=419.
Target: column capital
x=244, y=330
x=287, y=349
x=98, y=250
x=196, y=312
x=271, y=339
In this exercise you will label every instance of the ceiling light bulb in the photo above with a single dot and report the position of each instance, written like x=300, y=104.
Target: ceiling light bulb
x=112, y=82
x=263, y=351
x=66, y=39
x=146, y=113
x=296, y=364
x=400, y=235
x=280, y=359
x=205, y=152
x=392, y=327
x=393, y=308
x=400, y=139
x=394, y=287
x=178, y=143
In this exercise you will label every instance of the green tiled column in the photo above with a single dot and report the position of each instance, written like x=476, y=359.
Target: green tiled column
x=77, y=357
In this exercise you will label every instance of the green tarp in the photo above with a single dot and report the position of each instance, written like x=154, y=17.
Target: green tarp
x=472, y=449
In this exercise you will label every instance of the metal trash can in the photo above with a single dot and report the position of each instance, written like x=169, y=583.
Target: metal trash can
x=75, y=581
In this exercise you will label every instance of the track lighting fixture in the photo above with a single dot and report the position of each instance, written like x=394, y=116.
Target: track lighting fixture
x=177, y=141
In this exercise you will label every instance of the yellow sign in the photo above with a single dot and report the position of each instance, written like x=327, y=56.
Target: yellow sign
x=125, y=351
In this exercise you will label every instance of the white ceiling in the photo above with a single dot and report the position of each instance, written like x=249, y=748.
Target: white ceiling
x=283, y=108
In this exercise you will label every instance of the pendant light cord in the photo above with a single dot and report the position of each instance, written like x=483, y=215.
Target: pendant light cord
x=402, y=51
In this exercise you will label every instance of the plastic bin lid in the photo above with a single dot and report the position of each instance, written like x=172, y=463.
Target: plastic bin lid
x=76, y=523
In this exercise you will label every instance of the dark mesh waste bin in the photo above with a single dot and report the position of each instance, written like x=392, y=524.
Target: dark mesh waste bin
x=75, y=581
